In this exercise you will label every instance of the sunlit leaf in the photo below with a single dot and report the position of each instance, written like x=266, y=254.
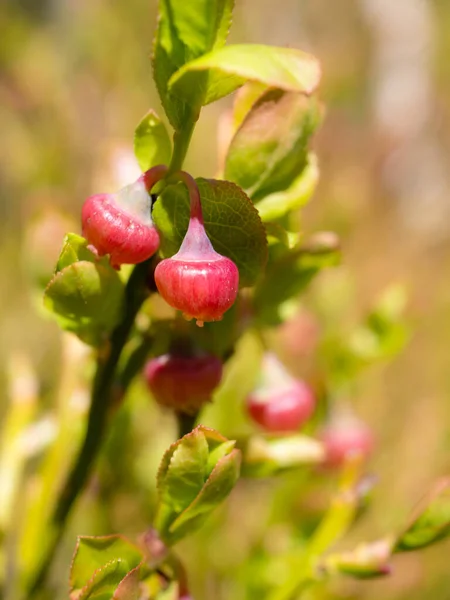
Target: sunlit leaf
x=86, y=299
x=244, y=99
x=196, y=474
x=74, y=249
x=217, y=487
x=186, y=31
x=270, y=149
x=228, y=68
x=152, y=144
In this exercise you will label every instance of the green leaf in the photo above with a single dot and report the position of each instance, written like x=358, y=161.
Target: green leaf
x=186, y=471
x=268, y=455
x=196, y=474
x=291, y=273
x=180, y=477
x=217, y=487
x=244, y=99
x=75, y=248
x=224, y=70
x=86, y=299
x=128, y=588
x=103, y=582
x=270, y=148
x=202, y=24
x=277, y=205
x=382, y=334
x=224, y=16
x=186, y=31
x=152, y=144
x=430, y=522
x=218, y=452
x=231, y=221
x=100, y=564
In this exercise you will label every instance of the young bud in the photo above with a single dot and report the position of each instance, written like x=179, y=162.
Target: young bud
x=183, y=383
x=197, y=280
x=121, y=224
x=345, y=436
x=280, y=403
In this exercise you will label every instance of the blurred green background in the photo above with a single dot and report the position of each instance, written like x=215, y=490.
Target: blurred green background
x=75, y=79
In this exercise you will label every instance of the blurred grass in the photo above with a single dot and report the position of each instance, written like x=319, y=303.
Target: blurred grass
x=75, y=79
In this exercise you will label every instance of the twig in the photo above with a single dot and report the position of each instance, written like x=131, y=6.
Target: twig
x=186, y=423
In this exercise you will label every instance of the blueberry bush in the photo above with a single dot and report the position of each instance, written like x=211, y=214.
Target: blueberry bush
x=169, y=296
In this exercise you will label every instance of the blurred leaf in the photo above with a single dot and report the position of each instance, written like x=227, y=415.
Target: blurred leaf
x=231, y=221
x=196, y=474
x=333, y=526
x=186, y=30
x=277, y=205
x=221, y=72
x=171, y=593
x=291, y=273
x=269, y=150
x=381, y=336
x=152, y=144
x=42, y=244
x=75, y=248
x=240, y=375
x=267, y=455
x=219, y=337
x=430, y=522
x=366, y=561
x=100, y=564
x=245, y=98
x=384, y=333
x=86, y=299
x=18, y=414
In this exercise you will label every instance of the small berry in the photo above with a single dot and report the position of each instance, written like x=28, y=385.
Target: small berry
x=184, y=383
x=121, y=224
x=346, y=436
x=197, y=280
x=281, y=403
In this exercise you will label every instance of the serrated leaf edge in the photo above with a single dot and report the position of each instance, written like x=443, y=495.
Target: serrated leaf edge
x=115, y=536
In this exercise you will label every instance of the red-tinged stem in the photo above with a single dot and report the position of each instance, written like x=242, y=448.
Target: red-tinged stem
x=153, y=175
x=196, y=244
x=194, y=194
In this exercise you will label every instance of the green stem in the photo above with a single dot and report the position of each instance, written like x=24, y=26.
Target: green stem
x=332, y=527
x=181, y=141
x=102, y=400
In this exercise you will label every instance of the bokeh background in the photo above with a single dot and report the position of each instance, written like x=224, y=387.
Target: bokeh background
x=75, y=79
